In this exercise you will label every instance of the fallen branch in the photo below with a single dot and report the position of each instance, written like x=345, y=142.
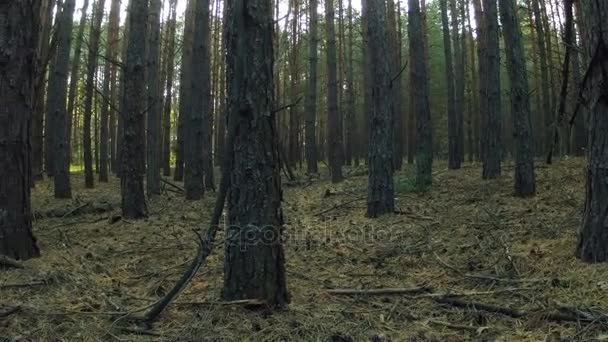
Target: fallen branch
x=477, y=330
x=380, y=292
x=175, y=186
x=340, y=205
x=6, y=262
x=22, y=285
x=9, y=311
x=244, y=302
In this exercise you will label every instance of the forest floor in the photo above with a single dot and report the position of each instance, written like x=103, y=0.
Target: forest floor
x=465, y=241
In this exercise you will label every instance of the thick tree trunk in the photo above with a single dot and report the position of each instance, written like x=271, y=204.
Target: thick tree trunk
x=593, y=238
x=200, y=105
x=56, y=102
x=334, y=137
x=133, y=135
x=525, y=182
x=493, y=122
x=380, y=189
x=311, y=91
x=254, y=265
x=453, y=156
x=420, y=91
x=395, y=88
x=89, y=89
x=18, y=42
x=154, y=100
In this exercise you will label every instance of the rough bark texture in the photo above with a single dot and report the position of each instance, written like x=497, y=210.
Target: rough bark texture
x=395, y=89
x=350, y=136
x=334, y=137
x=56, y=101
x=593, y=238
x=545, y=88
x=453, y=157
x=493, y=117
x=311, y=91
x=133, y=135
x=380, y=188
x=113, y=40
x=154, y=100
x=184, y=91
x=200, y=105
x=525, y=182
x=420, y=91
x=254, y=265
x=18, y=42
x=89, y=89
x=293, y=141
x=459, y=84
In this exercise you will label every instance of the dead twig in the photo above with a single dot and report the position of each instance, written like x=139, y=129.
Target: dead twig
x=380, y=292
x=6, y=262
x=339, y=206
x=9, y=311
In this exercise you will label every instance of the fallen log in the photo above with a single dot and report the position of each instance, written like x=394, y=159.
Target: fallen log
x=381, y=292
x=6, y=262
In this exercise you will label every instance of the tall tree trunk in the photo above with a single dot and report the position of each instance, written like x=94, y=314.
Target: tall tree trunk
x=56, y=98
x=171, y=26
x=366, y=86
x=200, y=105
x=133, y=135
x=293, y=141
x=395, y=88
x=380, y=189
x=593, y=239
x=254, y=266
x=578, y=143
x=350, y=136
x=154, y=100
x=18, y=42
x=493, y=122
x=311, y=91
x=114, y=38
x=545, y=87
x=334, y=137
x=459, y=80
x=454, y=158
x=525, y=182
x=185, y=98
x=420, y=91
x=89, y=89
x=43, y=52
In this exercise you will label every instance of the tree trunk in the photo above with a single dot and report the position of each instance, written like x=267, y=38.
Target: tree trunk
x=380, y=189
x=420, y=91
x=459, y=84
x=545, y=87
x=311, y=91
x=196, y=151
x=133, y=135
x=351, y=122
x=89, y=89
x=184, y=91
x=18, y=42
x=334, y=137
x=395, y=87
x=525, y=183
x=166, y=154
x=56, y=101
x=593, y=238
x=113, y=37
x=453, y=156
x=154, y=100
x=293, y=141
x=254, y=266
x=493, y=122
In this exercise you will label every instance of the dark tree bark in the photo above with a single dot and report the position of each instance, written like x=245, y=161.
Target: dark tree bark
x=166, y=149
x=525, y=180
x=420, y=91
x=351, y=150
x=293, y=139
x=113, y=40
x=334, y=137
x=311, y=91
x=133, y=135
x=18, y=42
x=200, y=105
x=56, y=102
x=254, y=265
x=493, y=122
x=122, y=99
x=154, y=100
x=578, y=138
x=43, y=53
x=395, y=88
x=184, y=91
x=454, y=158
x=89, y=88
x=593, y=238
x=459, y=82
x=75, y=76
x=545, y=88
x=380, y=189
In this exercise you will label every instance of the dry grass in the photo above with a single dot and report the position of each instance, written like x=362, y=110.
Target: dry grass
x=92, y=269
